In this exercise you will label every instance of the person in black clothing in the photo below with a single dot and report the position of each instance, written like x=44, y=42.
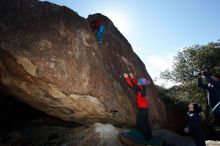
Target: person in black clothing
x=213, y=88
x=194, y=124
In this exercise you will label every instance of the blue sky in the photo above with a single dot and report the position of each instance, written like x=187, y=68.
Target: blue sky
x=157, y=29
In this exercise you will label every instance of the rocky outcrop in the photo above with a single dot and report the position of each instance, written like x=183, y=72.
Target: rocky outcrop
x=212, y=143
x=101, y=134
x=173, y=139
x=96, y=135
x=50, y=60
x=107, y=135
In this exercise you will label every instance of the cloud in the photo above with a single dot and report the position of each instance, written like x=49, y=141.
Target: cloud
x=137, y=49
x=164, y=83
x=155, y=64
x=159, y=62
x=141, y=51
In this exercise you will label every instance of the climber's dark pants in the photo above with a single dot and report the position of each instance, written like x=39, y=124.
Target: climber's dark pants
x=143, y=123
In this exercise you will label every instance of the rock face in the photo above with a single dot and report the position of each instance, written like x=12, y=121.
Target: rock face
x=212, y=143
x=96, y=135
x=50, y=60
x=101, y=134
x=173, y=139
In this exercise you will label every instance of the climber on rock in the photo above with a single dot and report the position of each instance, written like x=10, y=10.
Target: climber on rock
x=99, y=27
x=213, y=88
x=142, y=103
x=194, y=124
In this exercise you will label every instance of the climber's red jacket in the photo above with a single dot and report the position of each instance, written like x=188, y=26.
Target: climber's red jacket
x=95, y=23
x=141, y=98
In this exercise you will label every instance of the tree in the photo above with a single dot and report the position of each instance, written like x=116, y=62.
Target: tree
x=188, y=61
x=193, y=59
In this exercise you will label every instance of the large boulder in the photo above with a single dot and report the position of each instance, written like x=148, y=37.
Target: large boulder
x=173, y=139
x=101, y=134
x=212, y=143
x=50, y=60
x=107, y=135
x=97, y=134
